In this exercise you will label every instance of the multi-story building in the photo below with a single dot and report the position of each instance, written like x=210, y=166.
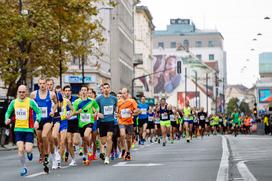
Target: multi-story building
x=143, y=27
x=264, y=84
x=206, y=46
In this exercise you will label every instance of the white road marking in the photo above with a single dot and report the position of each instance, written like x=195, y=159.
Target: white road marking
x=43, y=173
x=223, y=171
x=244, y=171
x=36, y=174
x=124, y=164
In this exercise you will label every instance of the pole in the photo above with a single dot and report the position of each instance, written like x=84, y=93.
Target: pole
x=185, y=85
x=223, y=95
x=207, y=98
x=132, y=88
x=196, y=89
x=216, y=93
x=82, y=69
x=60, y=71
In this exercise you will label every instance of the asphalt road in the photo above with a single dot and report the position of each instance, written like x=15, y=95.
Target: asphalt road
x=242, y=158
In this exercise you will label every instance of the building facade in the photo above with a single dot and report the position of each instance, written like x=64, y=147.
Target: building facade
x=143, y=27
x=205, y=47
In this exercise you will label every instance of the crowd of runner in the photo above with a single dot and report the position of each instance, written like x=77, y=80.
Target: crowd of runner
x=106, y=126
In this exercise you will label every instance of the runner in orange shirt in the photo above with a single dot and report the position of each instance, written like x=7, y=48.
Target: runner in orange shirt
x=247, y=124
x=126, y=108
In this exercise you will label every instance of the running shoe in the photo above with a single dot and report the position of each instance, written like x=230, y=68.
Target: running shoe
x=107, y=160
x=23, y=172
x=128, y=157
x=73, y=163
x=164, y=144
x=29, y=156
x=102, y=156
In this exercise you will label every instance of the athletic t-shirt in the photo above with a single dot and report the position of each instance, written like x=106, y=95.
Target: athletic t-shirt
x=89, y=107
x=125, y=111
x=107, y=107
x=144, y=108
x=202, y=116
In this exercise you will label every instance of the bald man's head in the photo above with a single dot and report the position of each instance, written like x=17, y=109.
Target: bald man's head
x=125, y=93
x=22, y=91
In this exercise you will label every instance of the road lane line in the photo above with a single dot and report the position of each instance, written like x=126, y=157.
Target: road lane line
x=223, y=171
x=244, y=171
x=124, y=164
x=36, y=174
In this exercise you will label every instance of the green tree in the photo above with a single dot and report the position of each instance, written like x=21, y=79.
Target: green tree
x=244, y=107
x=51, y=33
x=232, y=105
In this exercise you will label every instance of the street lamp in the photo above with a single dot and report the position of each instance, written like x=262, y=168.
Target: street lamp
x=267, y=18
x=196, y=88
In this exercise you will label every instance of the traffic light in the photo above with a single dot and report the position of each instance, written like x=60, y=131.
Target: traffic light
x=179, y=67
x=255, y=111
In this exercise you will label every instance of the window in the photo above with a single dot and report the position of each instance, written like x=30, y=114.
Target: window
x=211, y=56
x=211, y=44
x=161, y=44
x=186, y=44
x=199, y=57
x=198, y=44
x=173, y=45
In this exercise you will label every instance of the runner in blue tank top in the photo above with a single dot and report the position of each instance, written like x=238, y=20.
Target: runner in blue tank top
x=44, y=99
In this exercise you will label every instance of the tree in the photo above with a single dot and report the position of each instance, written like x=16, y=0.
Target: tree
x=244, y=107
x=53, y=31
x=232, y=105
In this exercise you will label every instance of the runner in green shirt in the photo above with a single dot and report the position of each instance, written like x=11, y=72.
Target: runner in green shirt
x=87, y=110
x=235, y=121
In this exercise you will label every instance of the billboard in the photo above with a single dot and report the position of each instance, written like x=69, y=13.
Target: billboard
x=166, y=79
x=265, y=95
x=190, y=96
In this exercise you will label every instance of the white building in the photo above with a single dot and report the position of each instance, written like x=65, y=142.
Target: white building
x=143, y=27
x=204, y=45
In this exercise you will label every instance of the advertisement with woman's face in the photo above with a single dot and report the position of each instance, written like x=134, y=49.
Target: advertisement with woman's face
x=167, y=79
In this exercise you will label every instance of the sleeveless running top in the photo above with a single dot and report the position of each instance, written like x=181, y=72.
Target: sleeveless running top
x=44, y=104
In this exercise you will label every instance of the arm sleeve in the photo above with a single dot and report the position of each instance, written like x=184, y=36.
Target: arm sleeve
x=96, y=106
x=75, y=105
x=10, y=110
x=36, y=109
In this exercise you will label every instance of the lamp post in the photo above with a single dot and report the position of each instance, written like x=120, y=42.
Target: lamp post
x=207, y=96
x=195, y=88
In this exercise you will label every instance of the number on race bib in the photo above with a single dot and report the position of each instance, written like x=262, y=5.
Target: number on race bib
x=125, y=113
x=21, y=114
x=85, y=117
x=108, y=110
x=164, y=116
x=144, y=111
x=172, y=118
x=150, y=118
x=44, y=112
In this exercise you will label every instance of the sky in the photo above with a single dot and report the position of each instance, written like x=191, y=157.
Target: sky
x=239, y=21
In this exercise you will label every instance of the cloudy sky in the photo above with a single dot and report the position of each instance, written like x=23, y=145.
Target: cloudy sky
x=239, y=21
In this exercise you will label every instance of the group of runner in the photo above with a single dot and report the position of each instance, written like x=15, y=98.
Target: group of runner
x=111, y=123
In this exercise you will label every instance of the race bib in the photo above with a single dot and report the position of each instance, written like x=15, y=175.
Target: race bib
x=164, y=116
x=21, y=114
x=144, y=111
x=150, y=118
x=202, y=117
x=125, y=113
x=108, y=110
x=172, y=118
x=85, y=117
x=187, y=118
x=44, y=112
x=220, y=120
x=195, y=120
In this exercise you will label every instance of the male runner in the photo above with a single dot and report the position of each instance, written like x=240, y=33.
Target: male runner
x=107, y=104
x=44, y=99
x=126, y=107
x=142, y=119
x=188, y=122
x=202, y=116
x=87, y=110
x=23, y=108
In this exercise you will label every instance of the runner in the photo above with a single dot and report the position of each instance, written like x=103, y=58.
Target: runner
x=23, y=108
x=44, y=99
x=73, y=136
x=126, y=107
x=235, y=121
x=165, y=123
x=174, y=116
x=87, y=110
x=157, y=124
x=150, y=124
x=188, y=121
x=107, y=105
x=142, y=119
x=202, y=116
